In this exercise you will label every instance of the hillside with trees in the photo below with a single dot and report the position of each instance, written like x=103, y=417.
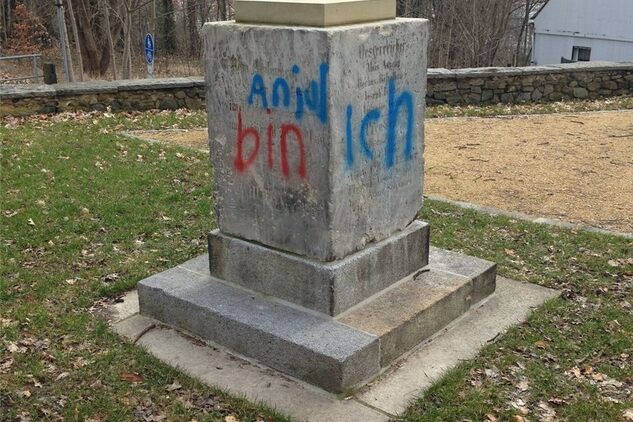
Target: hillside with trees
x=106, y=37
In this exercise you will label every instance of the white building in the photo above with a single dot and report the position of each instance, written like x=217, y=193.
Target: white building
x=583, y=30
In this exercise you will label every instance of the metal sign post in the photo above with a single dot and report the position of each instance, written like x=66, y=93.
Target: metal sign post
x=149, y=55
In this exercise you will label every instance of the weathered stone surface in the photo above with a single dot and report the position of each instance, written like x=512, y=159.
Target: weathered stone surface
x=537, y=95
x=318, y=148
x=131, y=95
x=334, y=353
x=328, y=287
x=314, y=348
x=257, y=383
x=313, y=12
x=542, y=82
x=168, y=104
x=580, y=93
x=482, y=273
x=419, y=306
x=412, y=311
x=524, y=97
x=487, y=95
x=133, y=326
x=445, y=86
x=507, y=98
x=8, y=91
x=512, y=303
x=386, y=397
x=85, y=88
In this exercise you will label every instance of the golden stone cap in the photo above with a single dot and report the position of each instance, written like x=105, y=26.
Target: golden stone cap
x=321, y=13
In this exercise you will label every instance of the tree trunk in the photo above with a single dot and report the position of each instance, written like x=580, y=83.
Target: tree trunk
x=127, y=42
x=167, y=37
x=3, y=21
x=66, y=47
x=73, y=24
x=108, y=29
x=192, y=27
x=87, y=41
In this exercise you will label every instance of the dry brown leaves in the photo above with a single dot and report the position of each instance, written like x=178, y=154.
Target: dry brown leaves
x=611, y=390
x=87, y=117
x=132, y=377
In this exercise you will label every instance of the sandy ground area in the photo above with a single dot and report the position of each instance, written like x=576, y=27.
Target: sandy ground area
x=573, y=167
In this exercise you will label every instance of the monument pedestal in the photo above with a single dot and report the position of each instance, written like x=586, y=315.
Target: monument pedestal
x=336, y=354
x=327, y=287
x=319, y=268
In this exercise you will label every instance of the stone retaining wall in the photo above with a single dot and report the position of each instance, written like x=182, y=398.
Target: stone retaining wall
x=460, y=86
x=128, y=95
x=494, y=85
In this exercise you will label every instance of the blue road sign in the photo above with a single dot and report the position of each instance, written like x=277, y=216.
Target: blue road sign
x=149, y=48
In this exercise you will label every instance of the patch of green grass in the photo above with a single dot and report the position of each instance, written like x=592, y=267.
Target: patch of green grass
x=573, y=356
x=492, y=110
x=86, y=213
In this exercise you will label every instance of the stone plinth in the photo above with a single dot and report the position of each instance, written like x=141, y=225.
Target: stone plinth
x=336, y=354
x=327, y=287
x=316, y=134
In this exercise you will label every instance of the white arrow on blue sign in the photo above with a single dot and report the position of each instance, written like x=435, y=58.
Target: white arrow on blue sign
x=149, y=48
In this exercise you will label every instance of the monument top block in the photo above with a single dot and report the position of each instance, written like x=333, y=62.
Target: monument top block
x=320, y=13
x=316, y=134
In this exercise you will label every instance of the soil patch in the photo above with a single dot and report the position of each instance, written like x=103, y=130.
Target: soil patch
x=573, y=167
x=191, y=138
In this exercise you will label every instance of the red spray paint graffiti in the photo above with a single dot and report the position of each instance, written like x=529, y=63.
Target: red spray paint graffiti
x=288, y=131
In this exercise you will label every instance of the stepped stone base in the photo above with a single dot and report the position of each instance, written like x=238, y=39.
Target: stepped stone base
x=327, y=287
x=337, y=354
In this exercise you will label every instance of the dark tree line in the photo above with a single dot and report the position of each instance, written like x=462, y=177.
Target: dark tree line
x=109, y=32
x=105, y=35
x=475, y=33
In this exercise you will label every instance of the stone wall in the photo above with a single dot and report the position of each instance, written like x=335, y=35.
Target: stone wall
x=460, y=86
x=128, y=95
x=494, y=85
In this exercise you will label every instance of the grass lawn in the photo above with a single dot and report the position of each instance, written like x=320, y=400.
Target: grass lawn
x=85, y=213
x=576, y=106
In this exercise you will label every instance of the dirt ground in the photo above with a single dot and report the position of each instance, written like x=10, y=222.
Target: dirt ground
x=573, y=167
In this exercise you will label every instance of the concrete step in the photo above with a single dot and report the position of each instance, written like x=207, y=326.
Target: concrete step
x=307, y=345
x=482, y=273
x=421, y=305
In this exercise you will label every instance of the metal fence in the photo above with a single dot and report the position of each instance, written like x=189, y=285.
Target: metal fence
x=35, y=58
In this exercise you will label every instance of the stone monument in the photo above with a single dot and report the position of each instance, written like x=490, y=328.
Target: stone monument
x=319, y=267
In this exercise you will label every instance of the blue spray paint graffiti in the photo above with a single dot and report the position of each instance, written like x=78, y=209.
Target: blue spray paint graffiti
x=313, y=98
x=395, y=104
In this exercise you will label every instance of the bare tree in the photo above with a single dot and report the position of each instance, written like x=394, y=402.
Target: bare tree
x=191, y=22
x=167, y=38
x=73, y=23
x=95, y=48
x=66, y=45
x=473, y=33
x=108, y=29
x=522, y=51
